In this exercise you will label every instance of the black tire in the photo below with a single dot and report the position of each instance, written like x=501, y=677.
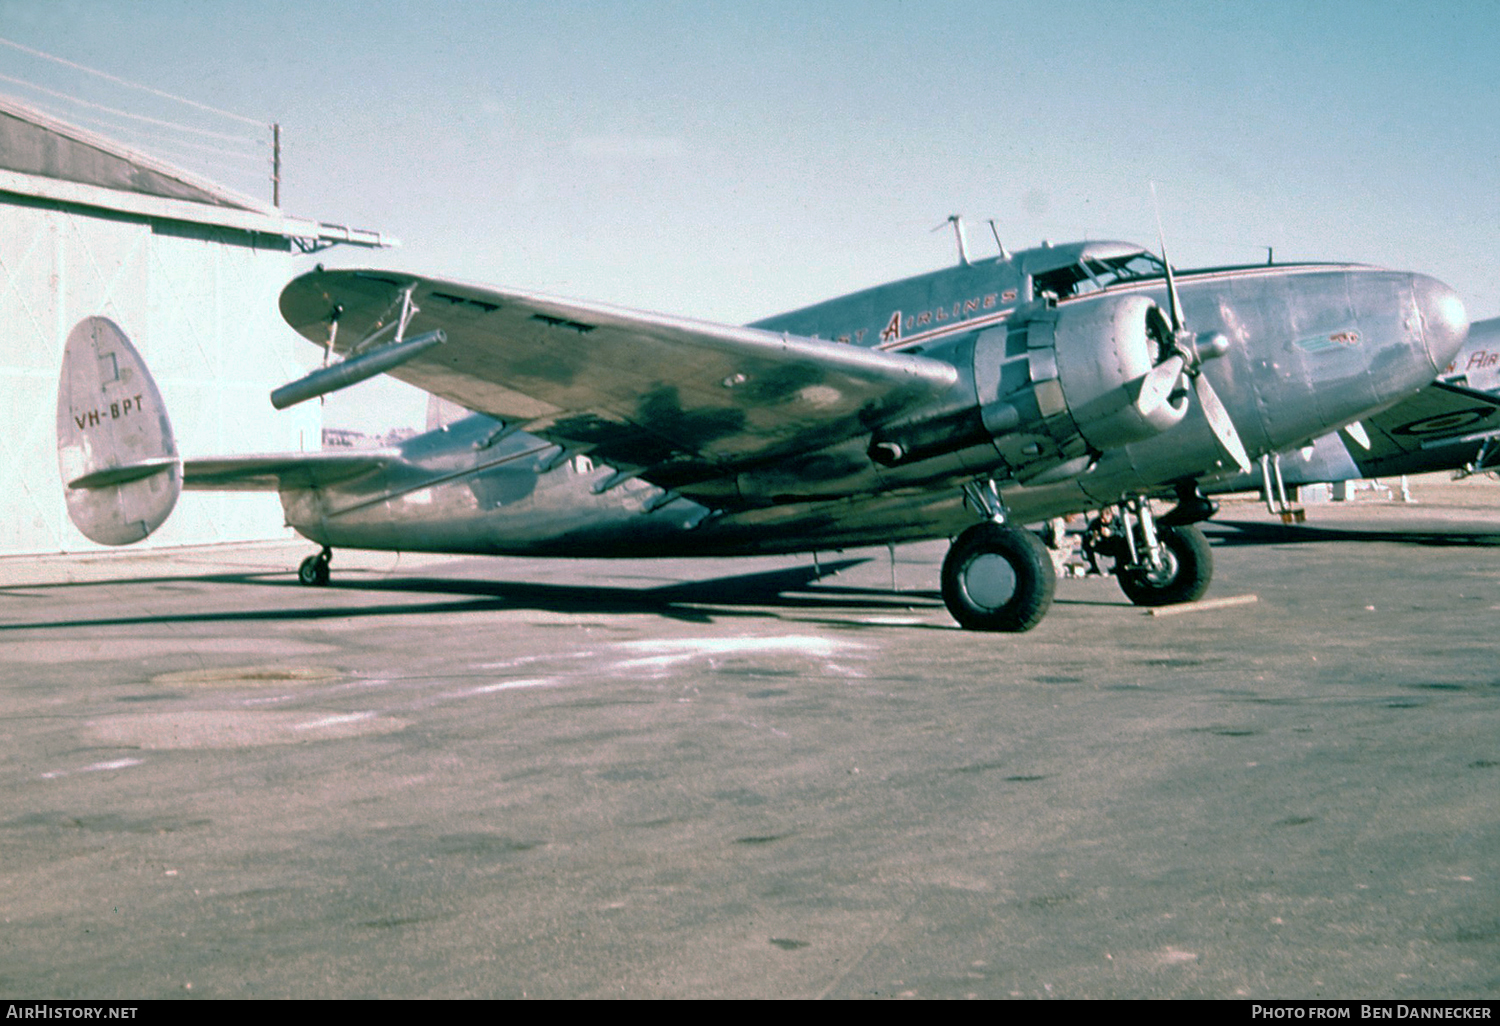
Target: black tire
x=314, y=571
x=1189, y=570
x=998, y=578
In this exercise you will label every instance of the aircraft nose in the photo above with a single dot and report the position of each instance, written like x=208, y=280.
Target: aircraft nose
x=1445, y=322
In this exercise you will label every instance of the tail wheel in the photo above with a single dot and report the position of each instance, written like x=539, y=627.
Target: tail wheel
x=1187, y=569
x=998, y=578
x=314, y=569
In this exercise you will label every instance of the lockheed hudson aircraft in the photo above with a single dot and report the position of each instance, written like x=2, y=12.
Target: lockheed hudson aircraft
x=962, y=403
x=1452, y=424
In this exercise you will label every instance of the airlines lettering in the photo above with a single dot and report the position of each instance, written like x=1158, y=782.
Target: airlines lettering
x=123, y=408
x=939, y=314
x=897, y=325
x=1479, y=359
x=1482, y=360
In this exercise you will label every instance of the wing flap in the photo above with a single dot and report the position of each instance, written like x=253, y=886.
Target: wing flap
x=677, y=396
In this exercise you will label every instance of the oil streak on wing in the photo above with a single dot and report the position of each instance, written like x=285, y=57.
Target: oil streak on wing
x=680, y=397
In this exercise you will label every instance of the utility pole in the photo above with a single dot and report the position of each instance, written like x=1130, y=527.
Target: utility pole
x=276, y=164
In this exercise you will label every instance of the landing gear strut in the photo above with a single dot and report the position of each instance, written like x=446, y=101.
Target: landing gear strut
x=1187, y=567
x=1157, y=564
x=997, y=577
x=314, y=569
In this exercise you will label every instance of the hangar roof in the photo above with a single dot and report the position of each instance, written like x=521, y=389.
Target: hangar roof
x=50, y=159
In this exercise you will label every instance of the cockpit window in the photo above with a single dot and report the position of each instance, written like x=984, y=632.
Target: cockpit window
x=1130, y=268
x=1092, y=274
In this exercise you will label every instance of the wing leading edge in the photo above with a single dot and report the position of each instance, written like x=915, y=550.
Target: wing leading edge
x=674, y=398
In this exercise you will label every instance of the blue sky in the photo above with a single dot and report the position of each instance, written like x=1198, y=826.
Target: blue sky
x=731, y=159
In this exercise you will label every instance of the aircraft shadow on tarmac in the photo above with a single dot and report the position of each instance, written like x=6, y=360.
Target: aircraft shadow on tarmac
x=799, y=588
x=689, y=601
x=1232, y=533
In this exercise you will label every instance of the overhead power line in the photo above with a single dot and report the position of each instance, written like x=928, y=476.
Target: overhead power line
x=215, y=155
x=110, y=125
x=125, y=113
x=133, y=85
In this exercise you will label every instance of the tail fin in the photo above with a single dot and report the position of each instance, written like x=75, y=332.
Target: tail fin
x=119, y=462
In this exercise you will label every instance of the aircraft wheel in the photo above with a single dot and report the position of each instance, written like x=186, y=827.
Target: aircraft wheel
x=1188, y=569
x=998, y=578
x=314, y=570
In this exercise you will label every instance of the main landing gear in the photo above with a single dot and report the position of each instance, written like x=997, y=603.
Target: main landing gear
x=314, y=569
x=997, y=577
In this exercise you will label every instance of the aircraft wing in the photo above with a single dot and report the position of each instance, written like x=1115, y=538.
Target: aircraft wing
x=675, y=399
x=282, y=470
x=1437, y=415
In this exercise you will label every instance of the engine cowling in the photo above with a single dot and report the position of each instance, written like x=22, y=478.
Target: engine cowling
x=1063, y=381
x=1055, y=385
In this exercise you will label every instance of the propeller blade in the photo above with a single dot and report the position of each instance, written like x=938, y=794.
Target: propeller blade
x=1218, y=420
x=1174, y=304
x=1160, y=382
x=1357, y=432
x=1158, y=395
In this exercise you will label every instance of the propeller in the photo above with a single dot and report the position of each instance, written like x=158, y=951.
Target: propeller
x=1186, y=353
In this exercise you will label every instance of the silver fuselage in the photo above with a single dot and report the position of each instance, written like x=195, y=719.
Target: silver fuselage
x=1464, y=440
x=1312, y=348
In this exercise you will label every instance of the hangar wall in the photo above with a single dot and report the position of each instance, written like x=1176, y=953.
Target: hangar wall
x=194, y=285
x=199, y=303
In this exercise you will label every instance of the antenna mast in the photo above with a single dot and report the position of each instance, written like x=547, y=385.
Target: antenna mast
x=957, y=221
x=1004, y=255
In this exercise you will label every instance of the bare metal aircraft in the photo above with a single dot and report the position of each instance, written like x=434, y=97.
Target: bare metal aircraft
x=961, y=403
x=1452, y=424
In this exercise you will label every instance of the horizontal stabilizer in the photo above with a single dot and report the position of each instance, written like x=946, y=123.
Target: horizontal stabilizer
x=124, y=473
x=275, y=471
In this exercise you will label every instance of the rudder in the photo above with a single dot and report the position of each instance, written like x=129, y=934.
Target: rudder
x=120, y=469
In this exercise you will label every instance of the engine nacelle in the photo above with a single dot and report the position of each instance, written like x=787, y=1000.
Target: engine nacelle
x=1054, y=385
x=1082, y=372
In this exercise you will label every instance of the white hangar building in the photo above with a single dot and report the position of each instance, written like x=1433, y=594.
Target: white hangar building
x=190, y=272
